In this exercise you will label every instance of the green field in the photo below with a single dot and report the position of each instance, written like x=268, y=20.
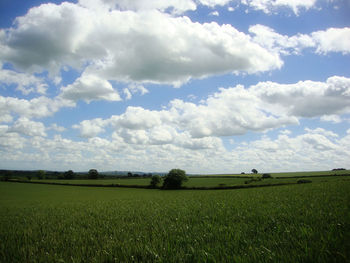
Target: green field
x=294, y=223
x=192, y=182
x=289, y=174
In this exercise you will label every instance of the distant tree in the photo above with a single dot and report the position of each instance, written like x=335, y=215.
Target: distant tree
x=174, y=179
x=129, y=174
x=69, y=174
x=6, y=175
x=254, y=171
x=29, y=177
x=155, y=180
x=242, y=172
x=93, y=174
x=41, y=174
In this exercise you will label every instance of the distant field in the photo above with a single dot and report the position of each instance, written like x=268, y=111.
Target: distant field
x=287, y=174
x=295, y=223
x=193, y=181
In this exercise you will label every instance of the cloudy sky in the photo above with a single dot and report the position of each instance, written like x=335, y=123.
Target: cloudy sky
x=208, y=86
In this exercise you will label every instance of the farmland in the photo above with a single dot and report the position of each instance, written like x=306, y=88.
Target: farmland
x=293, y=223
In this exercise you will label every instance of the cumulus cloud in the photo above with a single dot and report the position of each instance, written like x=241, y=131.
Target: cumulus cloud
x=134, y=89
x=90, y=128
x=56, y=127
x=231, y=111
x=333, y=40
x=268, y=38
x=270, y=6
x=330, y=40
x=28, y=127
x=174, y=6
x=314, y=149
x=38, y=107
x=306, y=98
x=88, y=88
x=24, y=82
x=228, y=112
x=150, y=46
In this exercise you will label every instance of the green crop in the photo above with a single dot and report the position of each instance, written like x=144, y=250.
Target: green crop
x=294, y=223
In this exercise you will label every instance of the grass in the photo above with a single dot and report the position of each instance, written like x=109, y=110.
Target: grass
x=194, y=181
x=296, y=223
x=288, y=174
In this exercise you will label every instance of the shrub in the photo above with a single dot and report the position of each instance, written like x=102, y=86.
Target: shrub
x=174, y=179
x=265, y=176
x=41, y=174
x=155, y=180
x=303, y=181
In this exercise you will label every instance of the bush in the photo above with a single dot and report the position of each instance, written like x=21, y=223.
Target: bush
x=265, y=176
x=41, y=174
x=155, y=180
x=303, y=181
x=174, y=179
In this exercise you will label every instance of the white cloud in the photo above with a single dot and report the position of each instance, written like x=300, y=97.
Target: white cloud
x=35, y=108
x=88, y=88
x=28, y=127
x=127, y=93
x=10, y=142
x=270, y=6
x=214, y=13
x=24, y=82
x=175, y=6
x=316, y=149
x=306, y=98
x=332, y=118
x=90, y=128
x=213, y=3
x=330, y=40
x=230, y=111
x=134, y=89
x=333, y=40
x=56, y=128
x=150, y=46
x=147, y=45
x=268, y=38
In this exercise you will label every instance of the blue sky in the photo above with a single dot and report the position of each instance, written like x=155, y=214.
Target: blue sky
x=208, y=86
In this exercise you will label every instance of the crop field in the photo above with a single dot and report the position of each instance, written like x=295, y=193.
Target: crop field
x=193, y=181
x=294, y=223
x=289, y=174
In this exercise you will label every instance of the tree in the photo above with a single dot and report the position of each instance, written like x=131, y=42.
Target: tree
x=93, y=174
x=174, y=179
x=41, y=174
x=254, y=171
x=7, y=174
x=155, y=180
x=69, y=174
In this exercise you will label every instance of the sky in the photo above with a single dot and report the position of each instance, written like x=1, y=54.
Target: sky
x=208, y=86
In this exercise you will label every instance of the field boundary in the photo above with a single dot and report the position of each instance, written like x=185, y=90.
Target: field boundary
x=274, y=177
x=160, y=188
